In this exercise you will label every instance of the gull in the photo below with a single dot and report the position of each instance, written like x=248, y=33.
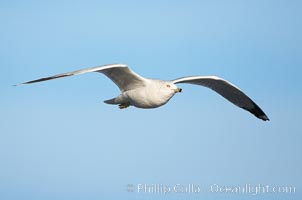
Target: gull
x=152, y=93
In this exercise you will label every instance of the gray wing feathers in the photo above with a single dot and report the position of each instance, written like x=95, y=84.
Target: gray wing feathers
x=124, y=78
x=120, y=74
x=228, y=91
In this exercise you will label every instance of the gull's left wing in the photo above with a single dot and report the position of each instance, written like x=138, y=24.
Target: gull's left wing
x=227, y=90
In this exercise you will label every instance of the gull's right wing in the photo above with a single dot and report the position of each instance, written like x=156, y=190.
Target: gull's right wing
x=120, y=74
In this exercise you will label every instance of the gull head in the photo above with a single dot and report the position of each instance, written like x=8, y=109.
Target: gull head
x=168, y=90
x=171, y=88
x=161, y=92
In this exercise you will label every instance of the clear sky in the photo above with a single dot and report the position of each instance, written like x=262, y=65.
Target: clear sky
x=58, y=140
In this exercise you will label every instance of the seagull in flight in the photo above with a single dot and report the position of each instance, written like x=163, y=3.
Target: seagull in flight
x=152, y=93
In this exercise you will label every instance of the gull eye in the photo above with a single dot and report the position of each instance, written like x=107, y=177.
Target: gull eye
x=168, y=86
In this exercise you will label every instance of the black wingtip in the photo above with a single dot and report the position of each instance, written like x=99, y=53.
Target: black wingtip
x=259, y=113
x=263, y=117
x=43, y=79
x=21, y=84
x=256, y=110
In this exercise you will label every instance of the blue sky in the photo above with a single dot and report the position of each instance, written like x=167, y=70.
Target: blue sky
x=59, y=141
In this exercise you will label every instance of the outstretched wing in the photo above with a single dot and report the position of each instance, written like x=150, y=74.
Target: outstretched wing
x=227, y=90
x=120, y=74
